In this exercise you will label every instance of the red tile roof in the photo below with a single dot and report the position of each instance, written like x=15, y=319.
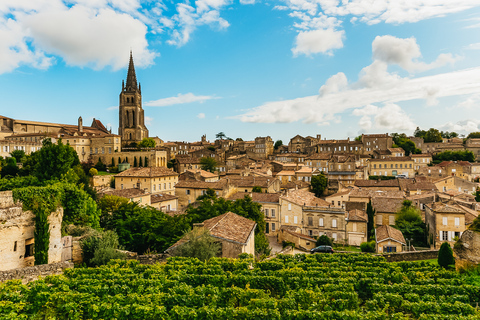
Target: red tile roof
x=385, y=232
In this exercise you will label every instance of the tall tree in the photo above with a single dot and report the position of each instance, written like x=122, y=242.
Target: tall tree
x=19, y=155
x=433, y=135
x=409, y=221
x=473, y=135
x=278, y=144
x=208, y=164
x=319, y=184
x=371, y=220
x=445, y=255
x=220, y=136
x=54, y=160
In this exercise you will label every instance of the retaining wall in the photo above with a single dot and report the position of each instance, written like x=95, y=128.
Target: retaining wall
x=411, y=255
x=28, y=274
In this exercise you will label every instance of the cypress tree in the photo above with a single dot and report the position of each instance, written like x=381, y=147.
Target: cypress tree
x=445, y=255
x=140, y=164
x=146, y=162
x=371, y=220
x=135, y=161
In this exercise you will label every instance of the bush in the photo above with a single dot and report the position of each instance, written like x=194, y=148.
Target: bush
x=93, y=172
x=324, y=240
x=445, y=255
x=100, y=247
x=199, y=244
x=287, y=244
x=367, y=246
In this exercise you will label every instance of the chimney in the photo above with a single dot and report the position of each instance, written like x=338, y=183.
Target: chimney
x=80, y=124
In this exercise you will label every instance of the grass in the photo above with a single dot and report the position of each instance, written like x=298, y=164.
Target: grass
x=105, y=173
x=347, y=248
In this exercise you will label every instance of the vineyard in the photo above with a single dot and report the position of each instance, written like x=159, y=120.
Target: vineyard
x=339, y=286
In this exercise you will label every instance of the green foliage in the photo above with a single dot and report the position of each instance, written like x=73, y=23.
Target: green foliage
x=211, y=148
x=147, y=143
x=445, y=255
x=448, y=135
x=358, y=138
x=135, y=164
x=19, y=155
x=199, y=244
x=257, y=189
x=333, y=287
x=100, y=247
x=473, y=135
x=107, y=205
x=381, y=177
x=19, y=182
x=277, y=144
x=54, y=160
x=324, y=240
x=432, y=135
x=146, y=162
x=465, y=155
x=93, y=172
x=208, y=164
x=220, y=136
x=409, y=221
x=140, y=162
x=477, y=195
x=319, y=184
x=11, y=169
x=371, y=220
x=100, y=166
x=402, y=141
x=367, y=246
x=171, y=164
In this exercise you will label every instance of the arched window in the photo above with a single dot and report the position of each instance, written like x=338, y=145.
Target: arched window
x=128, y=100
x=130, y=136
x=133, y=100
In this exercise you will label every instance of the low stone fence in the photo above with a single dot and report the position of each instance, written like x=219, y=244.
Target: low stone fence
x=147, y=259
x=28, y=274
x=411, y=255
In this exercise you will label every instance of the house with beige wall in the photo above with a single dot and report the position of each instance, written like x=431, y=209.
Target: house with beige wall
x=164, y=202
x=293, y=235
x=17, y=229
x=139, y=196
x=356, y=227
x=188, y=191
x=386, y=209
x=445, y=221
x=247, y=183
x=389, y=240
x=392, y=166
x=152, y=179
x=454, y=183
x=421, y=160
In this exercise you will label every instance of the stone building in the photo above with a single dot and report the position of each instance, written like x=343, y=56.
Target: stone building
x=263, y=147
x=389, y=239
x=188, y=191
x=152, y=179
x=356, y=227
x=131, y=123
x=445, y=221
x=17, y=234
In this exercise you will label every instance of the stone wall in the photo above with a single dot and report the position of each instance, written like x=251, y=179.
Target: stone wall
x=147, y=259
x=411, y=256
x=28, y=274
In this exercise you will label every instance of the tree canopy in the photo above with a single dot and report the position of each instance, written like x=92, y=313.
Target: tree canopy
x=208, y=164
x=473, y=135
x=409, y=221
x=278, y=143
x=431, y=135
x=54, y=160
x=465, y=155
x=220, y=136
x=402, y=141
x=319, y=184
x=147, y=143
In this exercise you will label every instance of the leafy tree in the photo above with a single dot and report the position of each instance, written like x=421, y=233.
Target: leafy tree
x=208, y=164
x=211, y=148
x=93, y=172
x=319, y=184
x=367, y=246
x=100, y=166
x=358, y=138
x=432, y=135
x=402, y=141
x=448, y=135
x=220, y=136
x=465, y=155
x=278, y=144
x=370, y=221
x=19, y=182
x=171, y=164
x=257, y=189
x=200, y=244
x=100, y=247
x=477, y=195
x=409, y=221
x=473, y=135
x=324, y=240
x=419, y=133
x=54, y=160
x=239, y=139
x=147, y=143
x=445, y=255
x=113, y=162
x=19, y=155
x=11, y=168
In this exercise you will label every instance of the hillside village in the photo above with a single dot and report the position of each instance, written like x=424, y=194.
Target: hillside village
x=306, y=188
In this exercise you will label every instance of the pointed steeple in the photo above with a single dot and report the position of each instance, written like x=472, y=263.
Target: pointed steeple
x=131, y=84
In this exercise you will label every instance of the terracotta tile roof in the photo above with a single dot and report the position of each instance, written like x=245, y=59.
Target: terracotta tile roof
x=370, y=193
x=304, y=198
x=356, y=215
x=386, y=232
x=149, y=172
x=217, y=185
x=203, y=173
x=305, y=170
x=126, y=193
x=343, y=193
x=392, y=150
x=160, y=197
x=286, y=173
x=421, y=155
x=377, y=183
x=386, y=205
x=230, y=226
x=392, y=159
x=417, y=184
x=301, y=236
x=296, y=184
x=257, y=196
x=319, y=156
x=186, y=160
x=446, y=208
x=470, y=214
x=250, y=181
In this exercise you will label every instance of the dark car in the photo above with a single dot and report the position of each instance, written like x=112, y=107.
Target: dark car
x=322, y=249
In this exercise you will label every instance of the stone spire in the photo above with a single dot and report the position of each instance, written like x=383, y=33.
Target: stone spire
x=131, y=84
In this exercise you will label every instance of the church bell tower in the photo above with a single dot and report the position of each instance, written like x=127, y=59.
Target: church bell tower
x=131, y=125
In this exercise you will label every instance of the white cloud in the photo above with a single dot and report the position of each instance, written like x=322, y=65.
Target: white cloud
x=201, y=116
x=470, y=103
x=318, y=41
x=113, y=108
x=179, y=99
x=247, y=1
x=390, y=117
x=465, y=126
x=148, y=120
x=473, y=46
x=334, y=84
x=377, y=75
x=405, y=52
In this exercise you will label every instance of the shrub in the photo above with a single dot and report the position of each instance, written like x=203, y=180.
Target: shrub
x=199, y=244
x=445, y=255
x=324, y=240
x=287, y=244
x=100, y=247
x=93, y=172
x=367, y=246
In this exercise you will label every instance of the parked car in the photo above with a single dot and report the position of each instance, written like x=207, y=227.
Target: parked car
x=322, y=249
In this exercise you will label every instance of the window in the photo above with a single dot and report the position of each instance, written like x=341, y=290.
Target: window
x=286, y=219
x=391, y=220
x=29, y=245
x=457, y=221
x=188, y=191
x=320, y=222
x=164, y=186
x=154, y=187
x=15, y=246
x=273, y=227
x=310, y=221
x=295, y=219
x=266, y=212
x=389, y=249
x=334, y=236
x=444, y=235
x=310, y=233
x=273, y=212
x=334, y=223
x=380, y=219
x=445, y=221
x=289, y=207
x=122, y=186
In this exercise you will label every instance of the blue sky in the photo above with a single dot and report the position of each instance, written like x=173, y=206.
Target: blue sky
x=247, y=68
